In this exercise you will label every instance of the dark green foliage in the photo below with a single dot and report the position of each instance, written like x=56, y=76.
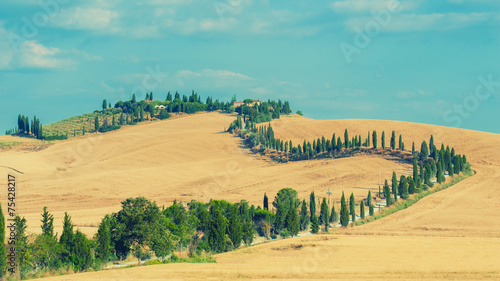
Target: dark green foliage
x=104, y=104
x=216, y=230
x=374, y=138
x=103, y=240
x=47, y=223
x=369, y=198
x=82, y=257
x=334, y=216
x=404, y=188
x=21, y=243
x=164, y=114
x=415, y=168
x=3, y=250
x=96, y=123
x=362, y=209
x=413, y=148
x=312, y=204
x=266, y=202
x=304, y=217
x=292, y=222
x=401, y=145
x=393, y=140
x=411, y=186
x=346, y=139
x=323, y=214
x=424, y=150
x=314, y=224
x=234, y=229
x=284, y=200
x=344, y=211
x=372, y=211
x=383, y=140
x=394, y=185
x=68, y=236
x=108, y=128
x=352, y=207
x=387, y=193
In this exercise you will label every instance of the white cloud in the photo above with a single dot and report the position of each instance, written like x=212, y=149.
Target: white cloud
x=224, y=74
x=366, y=6
x=423, y=22
x=86, y=19
x=412, y=95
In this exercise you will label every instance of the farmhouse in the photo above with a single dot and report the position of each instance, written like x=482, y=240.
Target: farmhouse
x=240, y=103
x=160, y=107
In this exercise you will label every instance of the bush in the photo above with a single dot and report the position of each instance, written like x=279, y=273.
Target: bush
x=164, y=114
x=55, y=137
x=108, y=128
x=252, y=140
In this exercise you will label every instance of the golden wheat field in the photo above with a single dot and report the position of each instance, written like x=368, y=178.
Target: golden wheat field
x=452, y=234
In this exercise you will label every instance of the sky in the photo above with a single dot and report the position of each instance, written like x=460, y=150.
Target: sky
x=426, y=61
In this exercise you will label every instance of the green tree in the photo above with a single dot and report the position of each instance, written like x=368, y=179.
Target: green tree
x=285, y=198
x=374, y=138
x=383, y=139
x=266, y=202
x=371, y=210
x=346, y=139
x=411, y=185
x=304, y=217
x=387, y=194
x=393, y=140
x=334, y=216
x=344, y=211
x=415, y=168
x=362, y=209
x=424, y=150
x=234, y=229
x=369, y=198
x=96, y=123
x=68, y=236
x=3, y=250
x=47, y=223
x=323, y=213
x=104, y=104
x=312, y=204
x=103, y=239
x=216, y=230
x=82, y=252
x=404, y=193
x=292, y=222
x=395, y=185
x=352, y=206
x=314, y=224
x=22, y=244
x=413, y=148
x=401, y=144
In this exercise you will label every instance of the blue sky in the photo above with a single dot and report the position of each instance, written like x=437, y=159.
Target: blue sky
x=426, y=61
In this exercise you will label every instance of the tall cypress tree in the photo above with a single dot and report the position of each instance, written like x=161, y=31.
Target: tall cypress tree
x=369, y=198
x=415, y=169
x=413, y=148
x=334, y=216
x=387, y=194
x=393, y=140
x=314, y=224
x=103, y=238
x=47, y=223
x=216, y=230
x=394, y=184
x=362, y=209
x=383, y=140
x=3, y=250
x=312, y=204
x=96, y=123
x=374, y=139
x=352, y=206
x=234, y=230
x=346, y=139
x=344, y=211
x=266, y=202
x=401, y=144
x=323, y=215
x=68, y=236
x=292, y=221
x=304, y=218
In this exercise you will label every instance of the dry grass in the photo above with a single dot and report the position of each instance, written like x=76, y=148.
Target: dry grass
x=451, y=234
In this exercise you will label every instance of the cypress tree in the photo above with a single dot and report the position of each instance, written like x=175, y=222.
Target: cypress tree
x=334, y=216
x=103, y=236
x=346, y=139
x=371, y=210
x=323, y=214
x=387, y=193
x=68, y=236
x=413, y=148
x=383, y=140
x=3, y=250
x=314, y=224
x=312, y=204
x=394, y=184
x=424, y=150
x=352, y=205
x=47, y=223
x=411, y=186
x=368, y=140
x=339, y=144
x=374, y=138
x=393, y=140
x=234, y=230
x=292, y=221
x=415, y=168
x=362, y=209
x=344, y=211
x=304, y=217
x=96, y=123
x=401, y=144
x=266, y=202
x=369, y=198
x=404, y=189
x=216, y=230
